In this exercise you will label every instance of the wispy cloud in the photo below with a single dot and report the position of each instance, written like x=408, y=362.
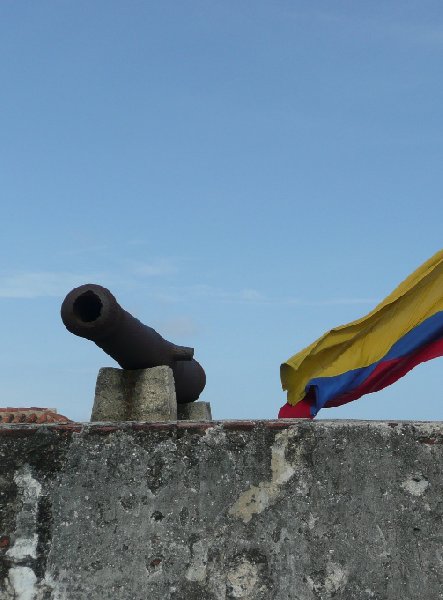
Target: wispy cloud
x=28, y=284
x=137, y=242
x=340, y=301
x=42, y=283
x=93, y=249
x=249, y=296
x=177, y=327
x=33, y=284
x=203, y=291
x=160, y=266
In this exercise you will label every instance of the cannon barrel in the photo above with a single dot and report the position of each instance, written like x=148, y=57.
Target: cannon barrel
x=92, y=312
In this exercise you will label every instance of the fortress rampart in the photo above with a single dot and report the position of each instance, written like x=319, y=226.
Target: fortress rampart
x=272, y=510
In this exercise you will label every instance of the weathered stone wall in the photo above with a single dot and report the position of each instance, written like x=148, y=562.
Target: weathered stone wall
x=208, y=511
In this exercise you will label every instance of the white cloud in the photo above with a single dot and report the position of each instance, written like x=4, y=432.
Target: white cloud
x=99, y=249
x=29, y=284
x=185, y=293
x=33, y=284
x=177, y=327
x=248, y=296
x=161, y=266
x=41, y=284
x=341, y=301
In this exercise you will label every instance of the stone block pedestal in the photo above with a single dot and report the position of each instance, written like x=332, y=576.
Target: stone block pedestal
x=194, y=411
x=142, y=395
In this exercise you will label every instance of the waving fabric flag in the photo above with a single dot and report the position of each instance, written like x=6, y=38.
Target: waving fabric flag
x=369, y=354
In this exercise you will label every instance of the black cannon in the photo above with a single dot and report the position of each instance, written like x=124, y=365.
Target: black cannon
x=91, y=311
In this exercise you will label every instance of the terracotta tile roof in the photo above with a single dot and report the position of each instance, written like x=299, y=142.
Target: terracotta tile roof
x=31, y=414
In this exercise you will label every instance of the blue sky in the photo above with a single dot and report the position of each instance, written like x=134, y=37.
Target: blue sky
x=242, y=175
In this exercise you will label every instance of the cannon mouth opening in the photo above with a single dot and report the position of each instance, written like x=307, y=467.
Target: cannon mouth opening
x=87, y=307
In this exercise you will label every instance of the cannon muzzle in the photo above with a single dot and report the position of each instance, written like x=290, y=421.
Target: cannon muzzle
x=92, y=312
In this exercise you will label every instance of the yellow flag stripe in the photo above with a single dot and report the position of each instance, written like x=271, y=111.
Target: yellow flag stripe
x=367, y=340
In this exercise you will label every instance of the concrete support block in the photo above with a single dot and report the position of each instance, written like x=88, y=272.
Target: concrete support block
x=140, y=395
x=242, y=510
x=154, y=398
x=194, y=411
x=110, y=403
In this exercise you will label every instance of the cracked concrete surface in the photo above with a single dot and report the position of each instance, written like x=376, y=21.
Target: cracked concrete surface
x=221, y=511
x=259, y=497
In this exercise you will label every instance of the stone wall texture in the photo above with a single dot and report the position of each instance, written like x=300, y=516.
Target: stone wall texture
x=222, y=510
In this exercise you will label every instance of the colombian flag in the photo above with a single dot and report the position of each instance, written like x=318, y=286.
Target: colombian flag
x=369, y=354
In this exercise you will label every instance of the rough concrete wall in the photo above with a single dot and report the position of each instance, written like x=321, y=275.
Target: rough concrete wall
x=264, y=510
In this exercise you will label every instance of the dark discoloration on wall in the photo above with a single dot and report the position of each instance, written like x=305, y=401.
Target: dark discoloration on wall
x=209, y=511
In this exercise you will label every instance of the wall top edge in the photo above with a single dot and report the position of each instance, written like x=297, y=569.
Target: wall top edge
x=238, y=425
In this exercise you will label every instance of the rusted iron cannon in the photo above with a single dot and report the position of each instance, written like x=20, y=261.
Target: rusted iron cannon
x=91, y=311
